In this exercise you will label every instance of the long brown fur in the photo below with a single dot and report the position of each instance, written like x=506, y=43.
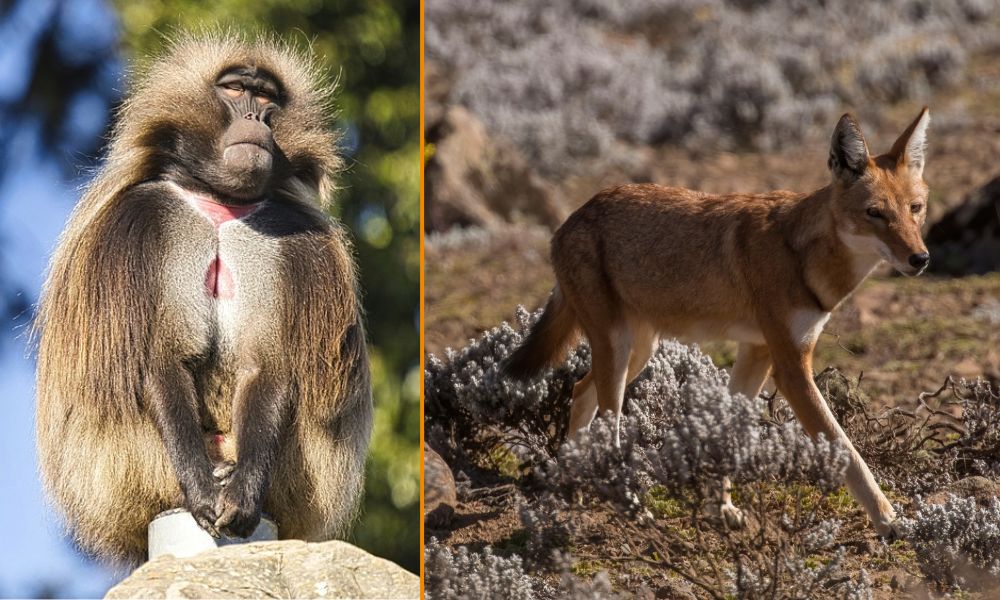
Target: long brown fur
x=102, y=459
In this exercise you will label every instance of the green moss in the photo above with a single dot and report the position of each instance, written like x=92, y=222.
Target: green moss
x=505, y=462
x=588, y=568
x=663, y=505
x=517, y=543
x=723, y=354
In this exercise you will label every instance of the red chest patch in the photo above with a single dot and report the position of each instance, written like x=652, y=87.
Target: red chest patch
x=219, y=213
x=218, y=278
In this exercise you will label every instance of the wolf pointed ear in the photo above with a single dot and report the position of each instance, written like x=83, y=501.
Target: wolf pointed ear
x=911, y=147
x=848, y=150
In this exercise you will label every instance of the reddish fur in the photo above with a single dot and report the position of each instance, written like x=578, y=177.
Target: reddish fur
x=638, y=261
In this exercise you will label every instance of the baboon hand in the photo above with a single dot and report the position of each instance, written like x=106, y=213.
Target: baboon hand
x=223, y=473
x=237, y=507
x=201, y=505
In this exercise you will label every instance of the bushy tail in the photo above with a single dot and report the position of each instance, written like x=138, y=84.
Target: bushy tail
x=545, y=342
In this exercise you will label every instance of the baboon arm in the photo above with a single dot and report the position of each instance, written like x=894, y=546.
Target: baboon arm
x=261, y=418
x=169, y=389
x=260, y=421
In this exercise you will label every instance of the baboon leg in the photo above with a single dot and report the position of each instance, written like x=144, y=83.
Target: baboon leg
x=753, y=364
x=793, y=377
x=611, y=353
x=170, y=391
x=261, y=415
x=584, y=407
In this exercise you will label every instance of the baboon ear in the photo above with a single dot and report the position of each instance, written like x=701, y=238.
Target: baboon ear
x=911, y=147
x=848, y=150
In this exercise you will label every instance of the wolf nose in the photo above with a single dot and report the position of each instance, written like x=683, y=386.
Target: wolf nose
x=919, y=261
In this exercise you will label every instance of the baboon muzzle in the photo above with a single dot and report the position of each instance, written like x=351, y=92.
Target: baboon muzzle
x=248, y=144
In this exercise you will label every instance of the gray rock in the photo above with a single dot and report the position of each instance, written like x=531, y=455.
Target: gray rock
x=476, y=178
x=980, y=488
x=440, y=496
x=285, y=569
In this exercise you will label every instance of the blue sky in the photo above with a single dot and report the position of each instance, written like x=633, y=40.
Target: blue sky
x=37, y=193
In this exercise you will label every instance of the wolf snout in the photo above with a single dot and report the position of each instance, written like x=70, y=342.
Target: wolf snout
x=920, y=260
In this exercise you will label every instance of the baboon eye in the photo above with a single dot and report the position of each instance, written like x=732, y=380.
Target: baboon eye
x=233, y=90
x=873, y=212
x=263, y=98
x=916, y=207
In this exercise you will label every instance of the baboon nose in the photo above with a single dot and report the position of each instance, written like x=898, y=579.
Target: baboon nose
x=919, y=261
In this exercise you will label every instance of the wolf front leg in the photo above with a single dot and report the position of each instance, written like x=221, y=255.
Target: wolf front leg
x=792, y=362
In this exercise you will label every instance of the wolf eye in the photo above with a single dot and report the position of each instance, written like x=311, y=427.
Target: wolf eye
x=916, y=207
x=873, y=212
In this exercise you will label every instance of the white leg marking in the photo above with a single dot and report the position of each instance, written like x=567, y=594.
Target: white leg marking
x=806, y=325
x=622, y=349
x=583, y=410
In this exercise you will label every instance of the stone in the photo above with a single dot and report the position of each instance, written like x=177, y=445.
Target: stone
x=440, y=495
x=276, y=569
x=475, y=178
x=966, y=240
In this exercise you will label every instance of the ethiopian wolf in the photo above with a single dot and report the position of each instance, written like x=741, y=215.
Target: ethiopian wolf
x=642, y=261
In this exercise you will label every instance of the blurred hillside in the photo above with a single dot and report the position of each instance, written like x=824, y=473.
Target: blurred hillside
x=573, y=80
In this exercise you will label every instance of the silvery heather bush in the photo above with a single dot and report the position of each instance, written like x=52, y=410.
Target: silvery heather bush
x=459, y=574
x=682, y=431
x=681, y=425
x=570, y=79
x=958, y=542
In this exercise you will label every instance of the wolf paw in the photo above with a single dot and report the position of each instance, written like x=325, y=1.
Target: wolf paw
x=732, y=516
x=727, y=514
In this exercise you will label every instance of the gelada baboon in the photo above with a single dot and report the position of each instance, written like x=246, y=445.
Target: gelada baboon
x=200, y=334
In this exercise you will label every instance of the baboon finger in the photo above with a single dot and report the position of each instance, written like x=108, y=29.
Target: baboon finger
x=206, y=523
x=224, y=473
x=227, y=517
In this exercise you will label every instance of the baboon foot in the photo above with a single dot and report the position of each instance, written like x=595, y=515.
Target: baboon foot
x=201, y=505
x=238, y=508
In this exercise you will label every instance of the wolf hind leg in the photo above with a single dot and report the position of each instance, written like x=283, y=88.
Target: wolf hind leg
x=584, y=407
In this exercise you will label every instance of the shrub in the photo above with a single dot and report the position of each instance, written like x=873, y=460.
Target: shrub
x=681, y=432
x=461, y=574
x=957, y=542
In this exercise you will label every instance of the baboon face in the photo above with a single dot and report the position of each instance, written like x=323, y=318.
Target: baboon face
x=239, y=120
x=242, y=161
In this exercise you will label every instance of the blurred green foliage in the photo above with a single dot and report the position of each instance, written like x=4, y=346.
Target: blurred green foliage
x=372, y=47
